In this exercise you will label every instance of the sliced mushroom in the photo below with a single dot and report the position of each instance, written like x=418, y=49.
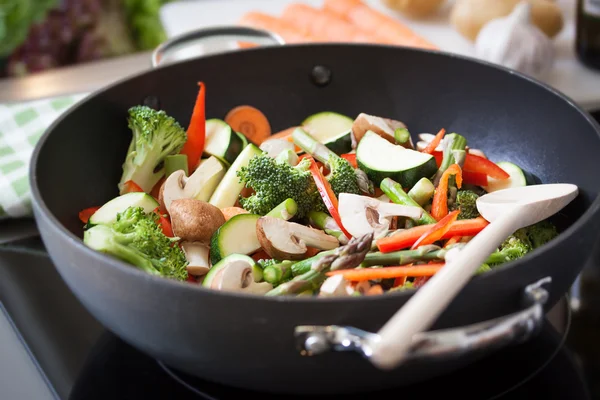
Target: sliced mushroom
x=336, y=286
x=237, y=276
x=384, y=127
x=196, y=254
x=200, y=185
x=362, y=215
x=194, y=220
x=285, y=240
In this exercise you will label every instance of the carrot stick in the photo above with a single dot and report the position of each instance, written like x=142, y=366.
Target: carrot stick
x=325, y=24
x=367, y=274
x=406, y=238
x=435, y=142
x=377, y=23
x=436, y=231
x=401, y=280
x=439, y=207
x=230, y=212
x=453, y=240
x=196, y=133
x=275, y=25
x=249, y=121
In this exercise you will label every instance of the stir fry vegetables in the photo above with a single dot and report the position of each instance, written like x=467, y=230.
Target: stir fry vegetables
x=332, y=206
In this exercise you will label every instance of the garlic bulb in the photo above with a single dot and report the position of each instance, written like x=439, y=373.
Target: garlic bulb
x=515, y=42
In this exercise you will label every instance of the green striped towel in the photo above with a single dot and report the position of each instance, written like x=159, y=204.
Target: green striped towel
x=21, y=125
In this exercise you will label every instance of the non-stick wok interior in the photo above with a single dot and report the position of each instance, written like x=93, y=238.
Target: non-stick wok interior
x=509, y=117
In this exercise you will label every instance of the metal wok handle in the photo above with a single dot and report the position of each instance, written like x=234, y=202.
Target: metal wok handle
x=240, y=33
x=441, y=344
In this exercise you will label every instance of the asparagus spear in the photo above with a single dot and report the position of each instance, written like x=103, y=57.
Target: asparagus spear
x=422, y=192
x=394, y=191
x=285, y=210
x=403, y=257
x=454, y=153
x=323, y=221
x=277, y=273
x=344, y=257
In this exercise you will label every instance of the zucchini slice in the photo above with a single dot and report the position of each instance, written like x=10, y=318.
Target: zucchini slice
x=331, y=129
x=226, y=194
x=107, y=214
x=518, y=178
x=381, y=159
x=222, y=141
x=236, y=236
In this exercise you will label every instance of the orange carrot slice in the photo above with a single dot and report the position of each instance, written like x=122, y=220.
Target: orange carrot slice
x=249, y=121
x=230, y=212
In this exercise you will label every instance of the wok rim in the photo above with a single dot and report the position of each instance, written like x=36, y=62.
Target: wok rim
x=126, y=268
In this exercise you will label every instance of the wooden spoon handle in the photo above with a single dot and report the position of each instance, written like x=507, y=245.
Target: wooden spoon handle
x=423, y=308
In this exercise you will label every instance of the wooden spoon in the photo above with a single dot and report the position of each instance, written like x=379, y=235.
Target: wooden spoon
x=507, y=210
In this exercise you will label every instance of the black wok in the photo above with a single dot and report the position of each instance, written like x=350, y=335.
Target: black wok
x=252, y=342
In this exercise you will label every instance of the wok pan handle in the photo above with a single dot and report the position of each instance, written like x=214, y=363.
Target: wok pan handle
x=240, y=33
x=441, y=344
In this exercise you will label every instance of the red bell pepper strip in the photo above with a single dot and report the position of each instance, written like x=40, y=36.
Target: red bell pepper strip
x=439, y=207
x=474, y=178
x=327, y=195
x=131, y=186
x=435, y=142
x=420, y=281
x=438, y=230
x=191, y=279
x=84, y=215
x=477, y=164
x=483, y=165
x=164, y=223
x=351, y=158
x=196, y=132
x=405, y=239
x=401, y=280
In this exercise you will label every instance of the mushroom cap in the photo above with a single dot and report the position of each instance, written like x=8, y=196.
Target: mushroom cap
x=278, y=241
x=195, y=220
x=237, y=276
x=285, y=240
x=380, y=126
x=172, y=189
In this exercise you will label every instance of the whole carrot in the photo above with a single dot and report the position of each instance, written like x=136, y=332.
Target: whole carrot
x=377, y=23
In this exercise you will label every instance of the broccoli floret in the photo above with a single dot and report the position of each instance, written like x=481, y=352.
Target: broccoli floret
x=342, y=176
x=466, y=202
x=137, y=238
x=541, y=233
x=275, y=182
x=514, y=247
x=155, y=136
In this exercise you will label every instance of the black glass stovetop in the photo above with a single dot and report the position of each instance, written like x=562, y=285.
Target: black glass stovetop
x=540, y=369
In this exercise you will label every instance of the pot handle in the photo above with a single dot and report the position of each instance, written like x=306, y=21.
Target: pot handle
x=240, y=33
x=440, y=344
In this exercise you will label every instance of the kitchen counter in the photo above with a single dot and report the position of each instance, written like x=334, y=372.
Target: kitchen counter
x=74, y=79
